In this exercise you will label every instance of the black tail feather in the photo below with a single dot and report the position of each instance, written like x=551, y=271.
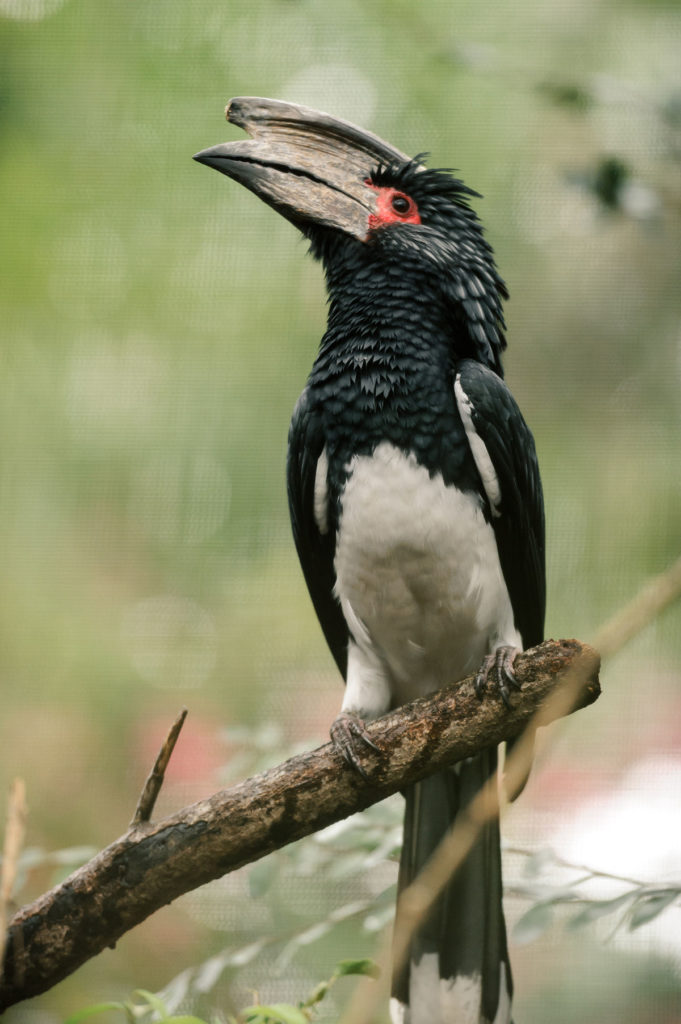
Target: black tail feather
x=458, y=970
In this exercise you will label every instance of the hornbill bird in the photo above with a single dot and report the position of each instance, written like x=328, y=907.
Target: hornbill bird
x=414, y=491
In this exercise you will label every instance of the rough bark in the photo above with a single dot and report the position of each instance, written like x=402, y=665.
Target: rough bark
x=153, y=864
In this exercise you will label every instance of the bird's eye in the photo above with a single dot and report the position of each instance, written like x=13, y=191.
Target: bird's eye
x=400, y=204
x=392, y=207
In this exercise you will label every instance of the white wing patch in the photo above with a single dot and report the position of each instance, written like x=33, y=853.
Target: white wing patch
x=321, y=493
x=483, y=462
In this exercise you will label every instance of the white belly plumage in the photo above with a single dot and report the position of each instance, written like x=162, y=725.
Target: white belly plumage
x=419, y=581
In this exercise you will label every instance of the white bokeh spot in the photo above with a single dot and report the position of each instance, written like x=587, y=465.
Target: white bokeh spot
x=29, y=10
x=171, y=641
x=629, y=831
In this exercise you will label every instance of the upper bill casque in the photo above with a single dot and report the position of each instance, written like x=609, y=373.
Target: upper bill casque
x=307, y=165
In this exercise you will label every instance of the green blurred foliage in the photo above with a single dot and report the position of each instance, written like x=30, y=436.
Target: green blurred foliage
x=157, y=326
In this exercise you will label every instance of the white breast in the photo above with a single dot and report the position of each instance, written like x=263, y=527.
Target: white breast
x=419, y=581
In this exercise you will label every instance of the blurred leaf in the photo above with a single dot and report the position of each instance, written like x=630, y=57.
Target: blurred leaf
x=277, y=1013
x=346, y=865
x=608, y=180
x=378, y=918
x=32, y=856
x=304, y=938
x=567, y=94
x=72, y=855
x=537, y=862
x=317, y=994
x=599, y=908
x=91, y=1011
x=366, y=966
x=154, y=1001
x=349, y=910
x=176, y=990
x=648, y=907
x=209, y=972
x=310, y=935
x=185, y=1019
x=611, y=183
x=533, y=923
x=246, y=954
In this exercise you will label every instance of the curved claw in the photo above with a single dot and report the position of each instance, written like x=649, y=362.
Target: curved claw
x=347, y=732
x=498, y=668
x=482, y=675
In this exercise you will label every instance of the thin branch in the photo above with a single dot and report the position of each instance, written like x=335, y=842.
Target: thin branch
x=152, y=787
x=585, y=870
x=636, y=887
x=17, y=812
x=151, y=866
x=646, y=605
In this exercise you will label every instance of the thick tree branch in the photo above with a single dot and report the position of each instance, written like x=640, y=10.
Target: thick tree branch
x=153, y=864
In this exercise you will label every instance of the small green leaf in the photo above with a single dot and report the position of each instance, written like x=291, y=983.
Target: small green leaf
x=154, y=1001
x=317, y=994
x=533, y=923
x=277, y=1013
x=91, y=1011
x=367, y=967
x=647, y=907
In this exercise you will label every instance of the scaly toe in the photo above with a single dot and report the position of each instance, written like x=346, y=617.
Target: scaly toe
x=482, y=676
x=497, y=668
x=348, y=732
x=503, y=670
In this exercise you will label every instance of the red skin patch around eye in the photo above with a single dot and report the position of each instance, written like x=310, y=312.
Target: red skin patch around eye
x=385, y=212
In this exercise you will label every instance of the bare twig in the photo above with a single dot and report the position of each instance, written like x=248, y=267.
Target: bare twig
x=587, y=872
x=652, y=598
x=152, y=787
x=14, y=840
x=151, y=866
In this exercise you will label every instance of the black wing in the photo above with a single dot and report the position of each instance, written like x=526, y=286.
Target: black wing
x=518, y=511
x=315, y=548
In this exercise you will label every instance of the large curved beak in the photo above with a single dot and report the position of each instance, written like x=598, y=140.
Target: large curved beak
x=309, y=166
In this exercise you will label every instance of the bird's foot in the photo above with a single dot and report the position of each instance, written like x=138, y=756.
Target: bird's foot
x=348, y=732
x=498, y=669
